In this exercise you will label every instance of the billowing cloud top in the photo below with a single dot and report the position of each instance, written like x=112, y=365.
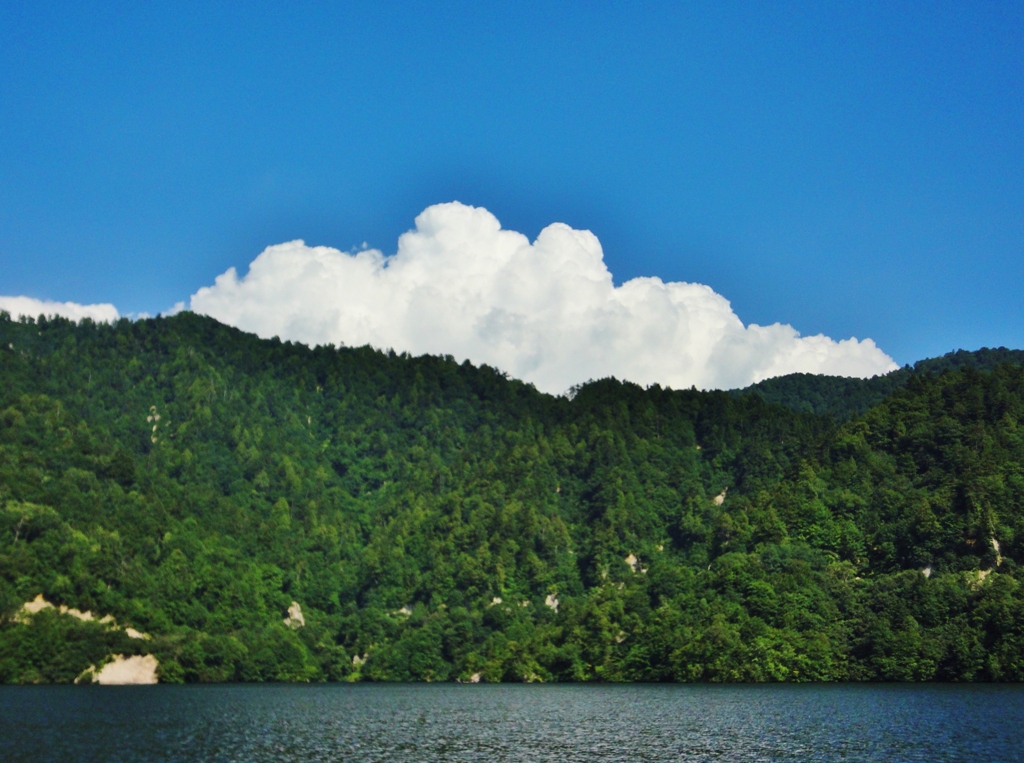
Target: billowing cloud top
x=33, y=308
x=546, y=312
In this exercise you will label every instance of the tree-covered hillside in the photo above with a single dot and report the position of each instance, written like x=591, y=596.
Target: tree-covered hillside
x=843, y=397
x=436, y=521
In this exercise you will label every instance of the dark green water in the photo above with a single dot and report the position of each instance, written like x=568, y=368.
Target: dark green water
x=513, y=723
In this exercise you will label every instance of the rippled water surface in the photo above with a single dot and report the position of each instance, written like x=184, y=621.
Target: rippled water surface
x=512, y=723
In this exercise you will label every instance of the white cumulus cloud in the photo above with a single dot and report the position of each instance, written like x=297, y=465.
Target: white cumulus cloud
x=547, y=312
x=33, y=308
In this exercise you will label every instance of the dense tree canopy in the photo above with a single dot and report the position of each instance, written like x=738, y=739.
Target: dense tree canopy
x=843, y=397
x=437, y=521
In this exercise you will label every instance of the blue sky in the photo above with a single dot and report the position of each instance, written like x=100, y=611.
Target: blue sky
x=849, y=169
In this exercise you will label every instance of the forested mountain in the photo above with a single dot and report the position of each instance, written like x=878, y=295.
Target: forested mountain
x=842, y=397
x=437, y=521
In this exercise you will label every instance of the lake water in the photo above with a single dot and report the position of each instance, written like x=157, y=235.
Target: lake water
x=373, y=722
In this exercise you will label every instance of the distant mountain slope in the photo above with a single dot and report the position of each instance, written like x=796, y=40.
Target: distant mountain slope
x=267, y=511
x=842, y=397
